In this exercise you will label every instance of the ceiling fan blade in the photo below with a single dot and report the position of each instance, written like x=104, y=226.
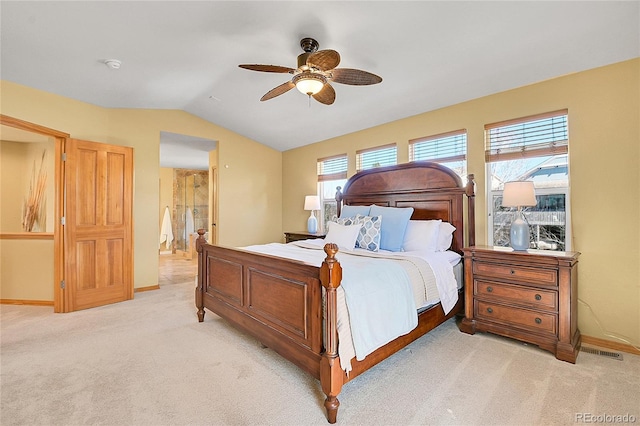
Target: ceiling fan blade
x=354, y=77
x=326, y=96
x=324, y=60
x=267, y=68
x=277, y=91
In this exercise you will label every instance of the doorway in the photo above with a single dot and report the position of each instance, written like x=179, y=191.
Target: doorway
x=186, y=193
x=92, y=198
x=27, y=223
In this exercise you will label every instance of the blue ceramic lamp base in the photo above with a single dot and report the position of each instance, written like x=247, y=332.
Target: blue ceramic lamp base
x=519, y=233
x=312, y=224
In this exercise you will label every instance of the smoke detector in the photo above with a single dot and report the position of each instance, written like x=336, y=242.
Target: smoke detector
x=114, y=64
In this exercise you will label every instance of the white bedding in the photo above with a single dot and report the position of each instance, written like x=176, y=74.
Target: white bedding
x=378, y=301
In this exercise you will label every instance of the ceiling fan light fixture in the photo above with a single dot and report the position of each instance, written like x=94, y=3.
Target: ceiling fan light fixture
x=309, y=83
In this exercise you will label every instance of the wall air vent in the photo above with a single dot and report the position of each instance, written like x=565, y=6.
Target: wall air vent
x=608, y=354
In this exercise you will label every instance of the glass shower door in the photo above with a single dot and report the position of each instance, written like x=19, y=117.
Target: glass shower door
x=192, y=206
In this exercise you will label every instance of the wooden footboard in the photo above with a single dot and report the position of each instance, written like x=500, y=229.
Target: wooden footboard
x=279, y=302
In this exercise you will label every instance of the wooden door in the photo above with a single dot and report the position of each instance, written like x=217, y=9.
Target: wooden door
x=98, y=229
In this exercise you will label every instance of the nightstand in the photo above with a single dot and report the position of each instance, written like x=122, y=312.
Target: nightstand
x=303, y=235
x=526, y=295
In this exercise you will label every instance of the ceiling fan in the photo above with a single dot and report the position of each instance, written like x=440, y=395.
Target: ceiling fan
x=316, y=69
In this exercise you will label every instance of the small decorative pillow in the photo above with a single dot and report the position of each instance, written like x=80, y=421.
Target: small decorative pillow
x=369, y=237
x=344, y=220
x=344, y=236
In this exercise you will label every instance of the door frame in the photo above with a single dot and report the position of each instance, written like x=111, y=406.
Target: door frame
x=213, y=205
x=60, y=140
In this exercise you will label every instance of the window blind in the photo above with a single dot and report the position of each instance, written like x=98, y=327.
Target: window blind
x=332, y=168
x=441, y=148
x=535, y=136
x=386, y=155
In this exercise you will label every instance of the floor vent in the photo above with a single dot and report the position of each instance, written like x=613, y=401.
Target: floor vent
x=613, y=355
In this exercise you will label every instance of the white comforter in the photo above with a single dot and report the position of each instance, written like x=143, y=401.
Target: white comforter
x=377, y=299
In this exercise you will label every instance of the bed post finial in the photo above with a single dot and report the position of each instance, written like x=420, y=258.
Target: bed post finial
x=200, y=241
x=338, y=200
x=471, y=199
x=331, y=375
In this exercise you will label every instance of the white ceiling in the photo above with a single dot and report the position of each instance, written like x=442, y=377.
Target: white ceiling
x=185, y=55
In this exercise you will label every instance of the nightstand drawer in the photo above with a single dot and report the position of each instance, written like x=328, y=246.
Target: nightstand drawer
x=525, y=296
x=511, y=316
x=540, y=276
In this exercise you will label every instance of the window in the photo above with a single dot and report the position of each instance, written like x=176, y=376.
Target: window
x=332, y=172
x=386, y=155
x=535, y=149
x=448, y=149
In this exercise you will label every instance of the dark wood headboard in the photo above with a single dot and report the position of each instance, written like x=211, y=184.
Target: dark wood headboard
x=434, y=191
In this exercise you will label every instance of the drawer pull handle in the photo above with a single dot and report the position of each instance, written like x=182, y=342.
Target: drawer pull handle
x=490, y=310
x=538, y=321
x=489, y=289
x=538, y=297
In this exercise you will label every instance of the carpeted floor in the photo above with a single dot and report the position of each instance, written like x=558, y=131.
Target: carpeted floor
x=149, y=362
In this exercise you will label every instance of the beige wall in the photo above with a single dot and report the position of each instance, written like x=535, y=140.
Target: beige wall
x=604, y=143
x=166, y=191
x=250, y=199
x=13, y=180
x=20, y=280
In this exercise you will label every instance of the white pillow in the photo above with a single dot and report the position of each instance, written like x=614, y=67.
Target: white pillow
x=422, y=235
x=445, y=236
x=344, y=236
x=369, y=236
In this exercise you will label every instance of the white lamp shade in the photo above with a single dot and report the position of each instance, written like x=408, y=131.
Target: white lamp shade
x=517, y=194
x=311, y=202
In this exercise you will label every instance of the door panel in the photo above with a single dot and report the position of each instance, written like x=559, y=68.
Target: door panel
x=99, y=224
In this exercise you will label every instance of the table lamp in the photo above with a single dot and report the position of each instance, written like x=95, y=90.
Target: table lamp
x=312, y=202
x=519, y=194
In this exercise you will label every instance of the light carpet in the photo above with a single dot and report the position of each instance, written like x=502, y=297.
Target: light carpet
x=149, y=362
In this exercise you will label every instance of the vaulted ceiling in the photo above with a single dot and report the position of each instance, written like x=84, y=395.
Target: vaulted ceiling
x=185, y=55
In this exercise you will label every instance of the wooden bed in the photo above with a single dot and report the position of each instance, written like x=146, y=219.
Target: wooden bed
x=279, y=301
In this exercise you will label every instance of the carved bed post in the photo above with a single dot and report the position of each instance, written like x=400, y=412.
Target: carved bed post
x=201, y=275
x=338, y=200
x=331, y=375
x=471, y=198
